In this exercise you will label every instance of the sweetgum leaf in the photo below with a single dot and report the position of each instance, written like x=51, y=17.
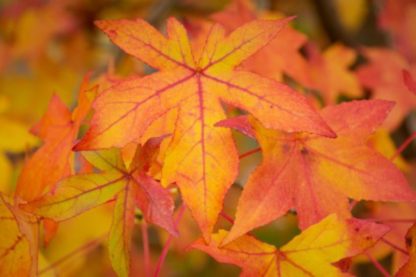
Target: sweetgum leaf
x=317, y=175
x=384, y=76
x=311, y=253
x=201, y=158
x=130, y=188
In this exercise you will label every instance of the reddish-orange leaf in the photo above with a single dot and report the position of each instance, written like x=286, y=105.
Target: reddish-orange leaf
x=399, y=18
x=384, y=76
x=201, y=158
x=240, y=123
x=280, y=56
x=399, y=217
x=409, y=81
x=334, y=64
x=316, y=175
x=52, y=162
x=312, y=253
x=409, y=268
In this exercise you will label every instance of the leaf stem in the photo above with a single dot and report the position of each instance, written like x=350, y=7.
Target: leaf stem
x=168, y=242
x=227, y=217
x=379, y=267
x=248, y=153
x=403, y=146
x=398, y=248
x=146, y=252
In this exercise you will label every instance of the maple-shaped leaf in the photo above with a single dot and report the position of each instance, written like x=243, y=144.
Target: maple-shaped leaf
x=201, y=158
x=409, y=268
x=334, y=64
x=131, y=187
x=312, y=253
x=280, y=56
x=18, y=241
x=384, y=76
x=52, y=161
x=316, y=175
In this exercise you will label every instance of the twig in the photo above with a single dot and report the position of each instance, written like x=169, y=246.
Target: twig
x=227, y=217
x=168, y=242
x=379, y=267
x=398, y=248
x=146, y=253
x=248, y=153
x=403, y=146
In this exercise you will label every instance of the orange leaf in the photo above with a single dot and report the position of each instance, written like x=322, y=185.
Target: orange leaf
x=398, y=17
x=201, y=158
x=334, y=64
x=409, y=81
x=52, y=162
x=280, y=56
x=316, y=175
x=309, y=254
x=384, y=76
x=409, y=268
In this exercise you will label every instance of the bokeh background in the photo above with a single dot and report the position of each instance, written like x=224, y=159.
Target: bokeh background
x=46, y=48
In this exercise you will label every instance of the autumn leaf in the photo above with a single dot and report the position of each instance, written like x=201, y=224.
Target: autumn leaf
x=316, y=175
x=409, y=268
x=384, y=144
x=383, y=75
x=334, y=64
x=409, y=81
x=18, y=242
x=201, y=158
x=52, y=162
x=280, y=56
x=398, y=217
x=46, y=20
x=309, y=254
x=398, y=18
x=121, y=230
x=130, y=187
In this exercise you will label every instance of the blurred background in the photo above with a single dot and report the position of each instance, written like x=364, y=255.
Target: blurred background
x=46, y=48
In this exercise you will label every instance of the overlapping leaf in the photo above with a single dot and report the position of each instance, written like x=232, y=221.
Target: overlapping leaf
x=201, y=158
x=18, y=242
x=52, y=162
x=312, y=253
x=410, y=267
x=316, y=175
x=397, y=216
x=398, y=17
x=130, y=187
x=280, y=56
x=384, y=76
x=330, y=73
